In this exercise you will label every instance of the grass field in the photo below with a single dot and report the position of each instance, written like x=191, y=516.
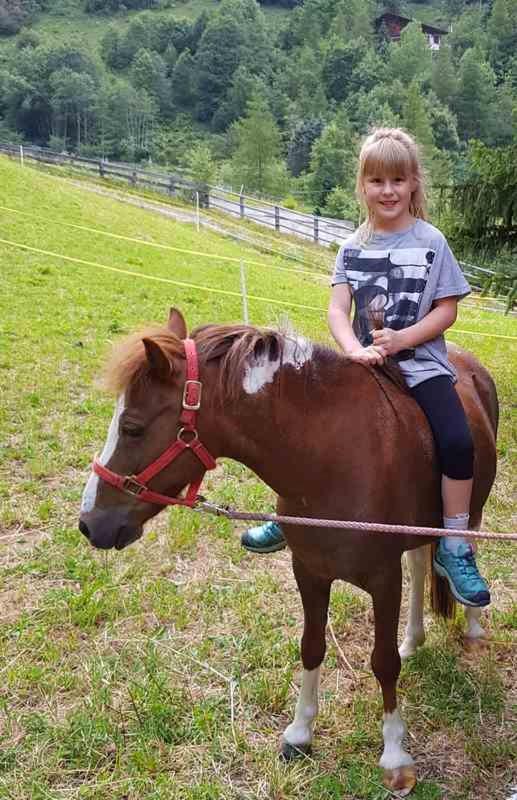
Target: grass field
x=120, y=672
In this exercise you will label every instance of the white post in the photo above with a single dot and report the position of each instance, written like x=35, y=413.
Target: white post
x=244, y=295
x=21, y=155
x=197, y=211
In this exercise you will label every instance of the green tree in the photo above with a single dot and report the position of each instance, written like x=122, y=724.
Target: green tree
x=416, y=118
x=340, y=69
x=444, y=79
x=332, y=161
x=258, y=146
x=502, y=33
x=72, y=99
x=183, y=80
x=474, y=103
x=410, y=59
x=149, y=72
x=218, y=56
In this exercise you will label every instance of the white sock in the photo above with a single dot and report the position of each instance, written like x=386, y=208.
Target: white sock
x=460, y=522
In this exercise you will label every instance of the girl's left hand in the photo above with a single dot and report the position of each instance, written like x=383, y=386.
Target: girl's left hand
x=388, y=341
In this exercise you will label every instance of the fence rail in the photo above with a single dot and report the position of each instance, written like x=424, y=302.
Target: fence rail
x=321, y=230
x=315, y=228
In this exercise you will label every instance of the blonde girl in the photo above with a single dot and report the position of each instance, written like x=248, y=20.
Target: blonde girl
x=399, y=267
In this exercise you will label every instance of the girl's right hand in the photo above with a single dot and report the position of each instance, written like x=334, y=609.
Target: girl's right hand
x=366, y=355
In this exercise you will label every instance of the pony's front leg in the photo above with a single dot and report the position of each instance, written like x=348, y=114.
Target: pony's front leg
x=297, y=737
x=415, y=634
x=398, y=766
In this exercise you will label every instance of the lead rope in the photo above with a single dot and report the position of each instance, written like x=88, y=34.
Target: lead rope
x=366, y=527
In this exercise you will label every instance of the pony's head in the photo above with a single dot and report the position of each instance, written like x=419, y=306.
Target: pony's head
x=157, y=402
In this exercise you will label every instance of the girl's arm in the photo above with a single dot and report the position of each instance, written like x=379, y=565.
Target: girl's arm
x=341, y=327
x=442, y=316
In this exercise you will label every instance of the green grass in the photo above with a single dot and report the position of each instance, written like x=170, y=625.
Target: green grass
x=119, y=671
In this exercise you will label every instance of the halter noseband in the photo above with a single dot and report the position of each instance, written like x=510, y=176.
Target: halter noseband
x=135, y=485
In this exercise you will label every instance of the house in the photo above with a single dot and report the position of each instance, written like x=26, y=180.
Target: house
x=394, y=24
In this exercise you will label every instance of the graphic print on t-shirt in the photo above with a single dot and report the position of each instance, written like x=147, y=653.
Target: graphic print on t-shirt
x=387, y=286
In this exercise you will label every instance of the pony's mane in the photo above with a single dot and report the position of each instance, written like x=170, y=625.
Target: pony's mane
x=128, y=361
x=235, y=345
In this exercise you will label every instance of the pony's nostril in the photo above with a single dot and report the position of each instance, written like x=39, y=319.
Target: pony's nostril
x=83, y=527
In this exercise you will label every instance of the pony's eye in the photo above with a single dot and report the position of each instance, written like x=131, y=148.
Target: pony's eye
x=132, y=430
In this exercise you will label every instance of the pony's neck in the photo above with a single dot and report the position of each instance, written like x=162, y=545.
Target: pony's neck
x=289, y=413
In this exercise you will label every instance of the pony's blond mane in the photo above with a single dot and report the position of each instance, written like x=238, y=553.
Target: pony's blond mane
x=128, y=363
x=234, y=345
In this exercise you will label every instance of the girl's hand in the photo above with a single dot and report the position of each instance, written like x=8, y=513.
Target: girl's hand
x=366, y=355
x=388, y=341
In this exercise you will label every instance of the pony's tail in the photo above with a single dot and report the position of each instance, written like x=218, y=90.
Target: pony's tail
x=443, y=603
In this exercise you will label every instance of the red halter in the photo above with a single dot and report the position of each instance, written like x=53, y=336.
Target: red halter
x=136, y=484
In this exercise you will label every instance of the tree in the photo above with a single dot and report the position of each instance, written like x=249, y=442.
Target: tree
x=72, y=100
x=217, y=58
x=148, y=71
x=258, y=146
x=183, y=80
x=416, y=118
x=339, y=69
x=331, y=161
x=475, y=98
x=300, y=145
x=502, y=32
x=485, y=204
x=443, y=78
x=410, y=59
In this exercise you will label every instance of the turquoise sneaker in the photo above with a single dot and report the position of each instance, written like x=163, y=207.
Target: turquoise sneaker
x=265, y=538
x=461, y=572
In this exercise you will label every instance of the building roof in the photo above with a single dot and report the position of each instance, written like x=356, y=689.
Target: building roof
x=389, y=16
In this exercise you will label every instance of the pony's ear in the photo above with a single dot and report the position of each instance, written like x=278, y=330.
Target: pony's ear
x=177, y=323
x=158, y=361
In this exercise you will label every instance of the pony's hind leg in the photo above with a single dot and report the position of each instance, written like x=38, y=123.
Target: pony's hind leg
x=297, y=737
x=399, y=771
x=416, y=561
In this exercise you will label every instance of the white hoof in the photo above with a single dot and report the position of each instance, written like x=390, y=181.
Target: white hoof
x=410, y=645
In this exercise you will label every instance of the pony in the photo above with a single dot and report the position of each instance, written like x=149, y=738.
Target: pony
x=334, y=439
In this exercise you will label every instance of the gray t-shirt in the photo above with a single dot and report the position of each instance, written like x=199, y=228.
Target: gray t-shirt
x=395, y=278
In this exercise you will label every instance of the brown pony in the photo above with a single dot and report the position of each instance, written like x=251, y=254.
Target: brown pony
x=334, y=439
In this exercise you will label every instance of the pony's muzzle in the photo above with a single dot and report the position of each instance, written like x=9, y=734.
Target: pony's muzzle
x=105, y=534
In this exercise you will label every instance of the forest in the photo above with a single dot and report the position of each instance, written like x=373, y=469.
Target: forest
x=276, y=97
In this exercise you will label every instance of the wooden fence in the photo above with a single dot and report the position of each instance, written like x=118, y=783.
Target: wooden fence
x=321, y=230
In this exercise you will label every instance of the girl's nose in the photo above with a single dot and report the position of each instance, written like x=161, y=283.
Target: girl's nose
x=387, y=187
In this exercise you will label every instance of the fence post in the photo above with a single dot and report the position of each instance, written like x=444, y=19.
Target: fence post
x=241, y=204
x=244, y=295
x=101, y=168
x=21, y=155
x=197, y=211
x=316, y=228
x=171, y=185
x=277, y=218
x=133, y=178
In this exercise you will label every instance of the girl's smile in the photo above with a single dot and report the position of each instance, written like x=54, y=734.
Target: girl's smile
x=389, y=200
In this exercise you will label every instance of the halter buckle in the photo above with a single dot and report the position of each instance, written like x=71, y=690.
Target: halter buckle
x=131, y=486
x=192, y=392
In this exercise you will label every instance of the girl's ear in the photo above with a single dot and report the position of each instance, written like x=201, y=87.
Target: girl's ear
x=414, y=183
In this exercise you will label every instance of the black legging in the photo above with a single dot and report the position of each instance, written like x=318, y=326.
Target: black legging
x=439, y=401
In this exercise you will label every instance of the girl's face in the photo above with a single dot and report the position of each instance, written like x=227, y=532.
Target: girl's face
x=388, y=200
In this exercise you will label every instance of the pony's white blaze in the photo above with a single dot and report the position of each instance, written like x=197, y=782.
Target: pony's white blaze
x=260, y=371
x=90, y=491
x=299, y=732
x=393, y=732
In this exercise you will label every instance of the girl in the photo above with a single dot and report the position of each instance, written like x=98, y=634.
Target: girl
x=399, y=266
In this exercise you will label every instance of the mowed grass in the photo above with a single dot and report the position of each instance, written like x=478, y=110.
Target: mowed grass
x=169, y=671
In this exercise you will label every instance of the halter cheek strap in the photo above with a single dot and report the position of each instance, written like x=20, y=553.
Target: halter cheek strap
x=136, y=485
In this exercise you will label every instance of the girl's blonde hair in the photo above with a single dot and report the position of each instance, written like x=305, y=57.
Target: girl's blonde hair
x=390, y=152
